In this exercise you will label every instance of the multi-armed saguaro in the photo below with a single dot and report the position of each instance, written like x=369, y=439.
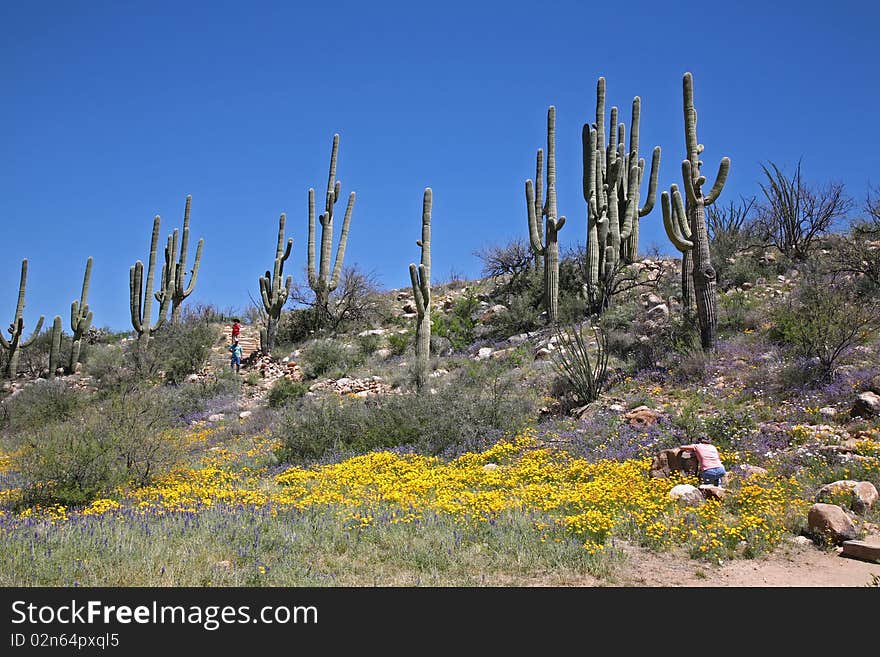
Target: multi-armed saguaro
x=174, y=270
x=321, y=282
x=421, y=285
x=679, y=233
x=80, y=318
x=141, y=297
x=549, y=249
x=704, y=274
x=612, y=179
x=274, y=290
x=14, y=343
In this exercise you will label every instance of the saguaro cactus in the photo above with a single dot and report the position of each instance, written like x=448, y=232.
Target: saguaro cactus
x=174, y=270
x=322, y=282
x=548, y=249
x=421, y=285
x=704, y=277
x=80, y=318
x=55, y=346
x=679, y=233
x=274, y=290
x=611, y=184
x=141, y=296
x=16, y=328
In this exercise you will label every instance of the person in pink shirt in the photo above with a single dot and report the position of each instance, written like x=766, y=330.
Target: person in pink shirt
x=711, y=468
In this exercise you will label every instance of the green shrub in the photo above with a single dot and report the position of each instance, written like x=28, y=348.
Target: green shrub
x=369, y=343
x=399, y=342
x=285, y=390
x=40, y=404
x=824, y=319
x=458, y=324
x=125, y=440
x=183, y=349
x=327, y=357
x=482, y=402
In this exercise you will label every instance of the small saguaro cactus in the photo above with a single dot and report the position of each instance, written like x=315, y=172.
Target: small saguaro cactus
x=14, y=344
x=679, y=233
x=274, y=290
x=611, y=188
x=174, y=270
x=141, y=295
x=421, y=286
x=80, y=318
x=548, y=249
x=704, y=277
x=321, y=281
x=55, y=346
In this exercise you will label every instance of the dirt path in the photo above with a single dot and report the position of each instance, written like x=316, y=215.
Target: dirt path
x=790, y=566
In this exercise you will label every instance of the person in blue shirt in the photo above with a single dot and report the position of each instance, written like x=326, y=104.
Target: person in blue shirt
x=236, y=355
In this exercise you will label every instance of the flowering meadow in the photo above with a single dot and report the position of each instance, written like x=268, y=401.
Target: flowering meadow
x=518, y=510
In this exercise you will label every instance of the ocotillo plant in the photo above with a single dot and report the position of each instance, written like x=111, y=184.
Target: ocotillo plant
x=704, y=277
x=14, y=344
x=549, y=248
x=141, y=296
x=611, y=188
x=274, y=290
x=322, y=282
x=55, y=346
x=174, y=270
x=421, y=285
x=679, y=233
x=80, y=318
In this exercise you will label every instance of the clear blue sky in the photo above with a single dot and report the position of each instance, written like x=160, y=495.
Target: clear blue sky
x=113, y=112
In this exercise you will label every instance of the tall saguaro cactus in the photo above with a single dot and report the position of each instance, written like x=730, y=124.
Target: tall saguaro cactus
x=55, y=346
x=321, y=281
x=548, y=249
x=421, y=285
x=611, y=188
x=705, y=283
x=174, y=270
x=80, y=317
x=679, y=233
x=274, y=290
x=141, y=295
x=14, y=344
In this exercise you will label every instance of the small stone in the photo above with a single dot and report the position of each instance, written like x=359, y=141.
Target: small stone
x=713, y=492
x=216, y=417
x=617, y=408
x=490, y=466
x=244, y=415
x=484, y=352
x=828, y=412
x=801, y=540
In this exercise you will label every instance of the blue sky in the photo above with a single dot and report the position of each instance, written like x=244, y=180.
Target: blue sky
x=113, y=112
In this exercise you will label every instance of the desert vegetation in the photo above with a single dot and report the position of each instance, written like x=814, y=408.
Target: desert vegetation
x=502, y=429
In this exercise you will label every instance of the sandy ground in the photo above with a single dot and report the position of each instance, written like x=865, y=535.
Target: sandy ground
x=790, y=566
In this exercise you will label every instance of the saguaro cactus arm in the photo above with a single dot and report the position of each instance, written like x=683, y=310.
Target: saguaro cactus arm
x=534, y=238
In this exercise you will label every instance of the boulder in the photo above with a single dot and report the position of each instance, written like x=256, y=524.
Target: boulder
x=830, y=523
x=642, y=416
x=687, y=495
x=713, y=492
x=874, y=386
x=866, y=405
x=658, y=312
x=745, y=470
x=860, y=496
x=674, y=460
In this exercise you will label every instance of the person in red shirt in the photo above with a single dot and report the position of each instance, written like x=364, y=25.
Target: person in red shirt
x=236, y=328
x=711, y=468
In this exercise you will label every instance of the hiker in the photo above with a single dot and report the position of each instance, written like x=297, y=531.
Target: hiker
x=236, y=355
x=236, y=328
x=711, y=468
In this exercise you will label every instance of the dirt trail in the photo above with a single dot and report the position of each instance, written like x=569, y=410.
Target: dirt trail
x=790, y=566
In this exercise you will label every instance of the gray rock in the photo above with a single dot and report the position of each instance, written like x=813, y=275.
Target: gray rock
x=866, y=405
x=687, y=495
